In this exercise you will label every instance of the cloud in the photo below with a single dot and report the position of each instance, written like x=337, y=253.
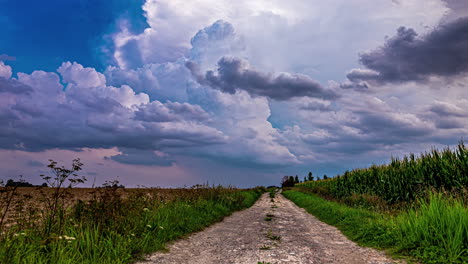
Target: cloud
x=5, y=57
x=407, y=57
x=170, y=111
x=449, y=115
x=5, y=70
x=316, y=106
x=89, y=113
x=142, y=157
x=235, y=74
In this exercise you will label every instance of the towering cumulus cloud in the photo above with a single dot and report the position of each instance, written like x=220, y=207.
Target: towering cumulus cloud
x=235, y=74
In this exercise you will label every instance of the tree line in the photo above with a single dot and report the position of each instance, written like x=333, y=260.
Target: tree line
x=290, y=181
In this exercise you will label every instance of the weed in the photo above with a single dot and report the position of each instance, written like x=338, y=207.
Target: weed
x=271, y=236
x=268, y=219
x=265, y=247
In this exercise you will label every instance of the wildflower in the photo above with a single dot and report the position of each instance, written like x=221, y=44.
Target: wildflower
x=161, y=227
x=146, y=209
x=149, y=226
x=132, y=234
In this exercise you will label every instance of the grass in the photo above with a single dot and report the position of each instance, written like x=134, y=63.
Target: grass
x=271, y=236
x=265, y=247
x=434, y=232
x=108, y=224
x=111, y=229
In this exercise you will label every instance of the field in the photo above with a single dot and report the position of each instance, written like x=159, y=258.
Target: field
x=416, y=206
x=106, y=225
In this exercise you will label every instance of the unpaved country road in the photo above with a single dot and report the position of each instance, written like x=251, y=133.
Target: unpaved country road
x=292, y=236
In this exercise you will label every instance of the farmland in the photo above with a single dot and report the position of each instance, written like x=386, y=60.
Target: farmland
x=416, y=206
x=106, y=225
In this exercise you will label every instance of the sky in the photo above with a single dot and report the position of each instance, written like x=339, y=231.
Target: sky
x=173, y=93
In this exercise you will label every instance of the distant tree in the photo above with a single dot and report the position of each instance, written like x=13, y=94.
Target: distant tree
x=19, y=183
x=310, y=177
x=296, y=179
x=325, y=177
x=305, y=179
x=287, y=182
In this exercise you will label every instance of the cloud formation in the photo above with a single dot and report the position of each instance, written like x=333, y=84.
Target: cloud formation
x=407, y=57
x=235, y=74
x=88, y=113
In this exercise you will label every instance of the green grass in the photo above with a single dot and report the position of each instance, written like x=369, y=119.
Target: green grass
x=121, y=234
x=434, y=232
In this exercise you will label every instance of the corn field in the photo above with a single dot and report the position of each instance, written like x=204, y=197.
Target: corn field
x=404, y=179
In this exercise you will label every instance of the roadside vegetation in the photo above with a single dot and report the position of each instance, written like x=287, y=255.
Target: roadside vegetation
x=415, y=206
x=108, y=224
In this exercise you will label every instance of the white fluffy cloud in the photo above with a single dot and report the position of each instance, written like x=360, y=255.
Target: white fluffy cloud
x=5, y=70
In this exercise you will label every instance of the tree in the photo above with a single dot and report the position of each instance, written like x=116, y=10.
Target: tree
x=325, y=177
x=296, y=179
x=310, y=177
x=305, y=179
x=287, y=182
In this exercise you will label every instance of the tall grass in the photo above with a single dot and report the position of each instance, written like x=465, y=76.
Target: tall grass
x=435, y=232
x=121, y=230
x=402, y=180
x=107, y=225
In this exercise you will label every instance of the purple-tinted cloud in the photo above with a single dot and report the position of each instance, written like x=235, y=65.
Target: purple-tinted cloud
x=407, y=57
x=235, y=74
x=88, y=113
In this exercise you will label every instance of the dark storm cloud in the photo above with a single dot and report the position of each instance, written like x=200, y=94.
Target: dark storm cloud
x=234, y=74
x=407, y=57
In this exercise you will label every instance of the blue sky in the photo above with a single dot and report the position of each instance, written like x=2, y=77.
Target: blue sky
x=174, y=92
x=46, y=33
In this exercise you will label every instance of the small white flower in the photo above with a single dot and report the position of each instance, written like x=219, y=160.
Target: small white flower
x=146, y=209
x=149, y=226
x=161, y=227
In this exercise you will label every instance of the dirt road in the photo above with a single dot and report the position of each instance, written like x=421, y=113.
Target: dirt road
x=287, y=235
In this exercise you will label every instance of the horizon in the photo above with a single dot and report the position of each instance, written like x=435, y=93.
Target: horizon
x=172, y=93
